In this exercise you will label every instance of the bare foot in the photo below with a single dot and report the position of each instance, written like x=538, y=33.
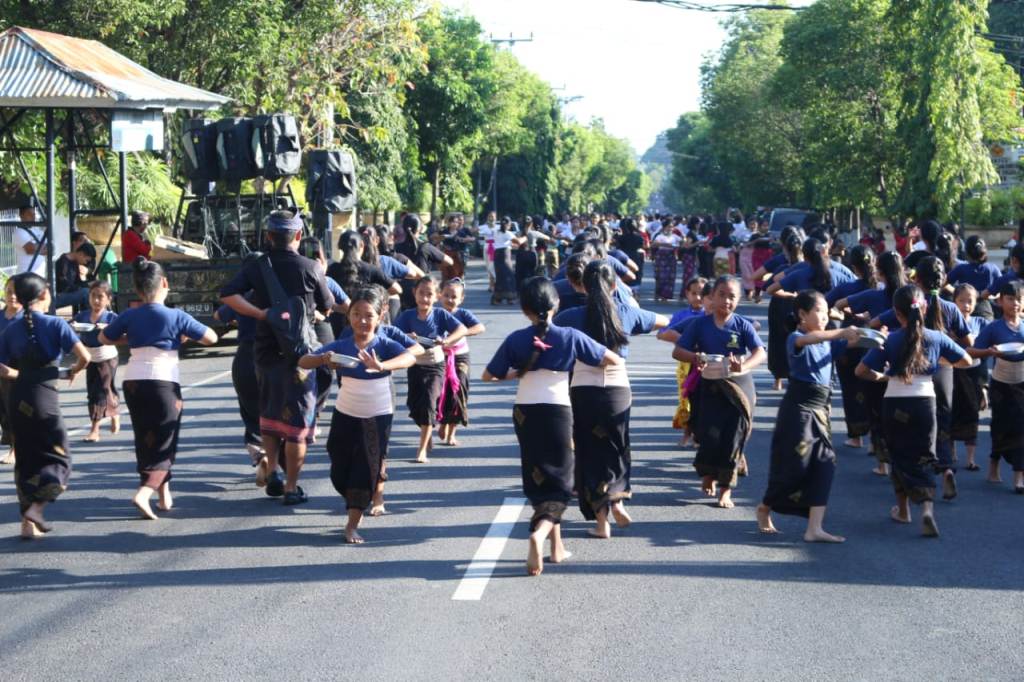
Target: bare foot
x=353, y=537
x=741, y=467
x=725, y=499
x=764, y=520
x=166, y=502
x=853, y=442
x=92, y=437
x=421, y=458
x=822, y=536
x=898, y=516
x=29, y=531
x=881, y=470
x=534, y=560
x=928, y=526
x=622, y=517
x=378, y=510
x=115, y=424
x=948, y=486
x=601, y=533
x=559, y=553
x=34, y=515
x=708, y=485
x=452, y=441
x=8, y=458
x=141, y=502
x=262, y=472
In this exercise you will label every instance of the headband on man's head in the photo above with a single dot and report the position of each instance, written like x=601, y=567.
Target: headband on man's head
x=284, y=221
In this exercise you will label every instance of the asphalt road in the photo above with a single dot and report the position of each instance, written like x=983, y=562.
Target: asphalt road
x=231, y=585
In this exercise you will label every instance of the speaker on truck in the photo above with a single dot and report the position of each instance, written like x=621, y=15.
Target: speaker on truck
x=275, y=139
x=199, y=144
x=331, y=181
x=236, y=156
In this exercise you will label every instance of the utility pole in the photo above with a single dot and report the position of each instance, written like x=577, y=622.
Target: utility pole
x=510, y=41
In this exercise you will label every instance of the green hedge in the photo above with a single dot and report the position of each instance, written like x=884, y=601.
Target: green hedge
x=996, y=208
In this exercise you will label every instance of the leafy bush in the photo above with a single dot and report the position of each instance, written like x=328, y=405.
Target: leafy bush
x=995, y=208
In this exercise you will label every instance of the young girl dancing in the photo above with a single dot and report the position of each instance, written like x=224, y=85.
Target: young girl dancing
x=540, y=356
x=154, y=332
x=361, y=423
x=1006, y=389
x=726, y=392
x=30, y=351
x=968, y=391
x=437, y=330
x=601, y=399
x=906, y=364
x=803, y=461
x=694, y=292
x=454, y=403
x=102, y=370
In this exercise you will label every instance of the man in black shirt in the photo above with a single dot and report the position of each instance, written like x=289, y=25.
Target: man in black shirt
x=287, y=392
x=72, y=285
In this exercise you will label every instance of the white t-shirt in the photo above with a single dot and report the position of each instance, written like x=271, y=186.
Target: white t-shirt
x=22, y=237
x=671, y=239
x=502, y=239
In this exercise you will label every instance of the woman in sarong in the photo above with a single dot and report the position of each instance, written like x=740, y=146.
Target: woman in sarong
x=453, y=407
x=664, y=246
x=803, y=461
x=101, y=373
x=436, y=330
x=906, y=364
x=504, y=273
x=30, y=352
x=540, y=357
x=968, y=384
x=154, y=333
x=361, y=423
x=1006, y=389
x=725, y=420
x=601, y=399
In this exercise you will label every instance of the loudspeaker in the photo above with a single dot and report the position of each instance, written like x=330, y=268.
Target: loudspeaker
x=331, y=181
x=199, y=143
x=236, y=156
x=275, y=139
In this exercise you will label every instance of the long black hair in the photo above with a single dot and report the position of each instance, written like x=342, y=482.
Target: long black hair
x=539, y=297
x=911, y=358
x=862, y=260
x=371, y=254
x=602, y=320
x=890, y=264
x=146, y=276
x=814, y=254
x=348, y=267
x=943, y=250
x=29, y=288
x=311, y=248
x=931, y=277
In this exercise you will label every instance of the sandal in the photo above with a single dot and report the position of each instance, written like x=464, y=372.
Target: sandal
x=972, y=467
x=948, y=486
x=297, y=496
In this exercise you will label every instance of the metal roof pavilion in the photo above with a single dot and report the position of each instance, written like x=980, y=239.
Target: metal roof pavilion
x=58, y=74
x=40, y=69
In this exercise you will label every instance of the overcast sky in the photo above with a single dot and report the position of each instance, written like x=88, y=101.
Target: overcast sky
x=635, y=64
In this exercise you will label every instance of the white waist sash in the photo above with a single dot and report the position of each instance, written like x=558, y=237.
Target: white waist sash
x=149, y=363
x=102, y=353
x=920, y=386
x=612, y=375
x=364, y=398
x=1008, y=372
x=431, y=356
x=543, y=386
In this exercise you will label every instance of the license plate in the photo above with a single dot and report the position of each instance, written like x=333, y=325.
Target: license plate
x=197, y=308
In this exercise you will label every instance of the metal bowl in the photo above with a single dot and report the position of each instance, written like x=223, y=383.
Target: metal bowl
x=346, y=361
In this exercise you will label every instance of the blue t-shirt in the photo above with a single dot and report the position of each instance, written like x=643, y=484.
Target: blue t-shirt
x=54, y=335
x=981, y=276
x=844, y=290
x=340, y=297
x=936, y=345
x=812, y=363
x=466, y=317
x=154, y=324
x=801, y=276
x=1000, y=281
x=387, y=331
x=952, y=319
x=633, y=321
x=567, y=296
x=6, y=322
x=567, y=346
x=775, y=263
x=736, y=337
x=976, y=324
x=384, y=347
x=619, y=255
x=684, y=314
x=439, y=323
x=92, y=339
x=246, y=324
x=998, y=331
x=393, y=268
x=680, y=326
x=872, y=301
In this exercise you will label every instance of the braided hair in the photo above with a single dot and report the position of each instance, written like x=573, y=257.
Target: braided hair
x=931, y=277
x=29, y=288
x=539, y=297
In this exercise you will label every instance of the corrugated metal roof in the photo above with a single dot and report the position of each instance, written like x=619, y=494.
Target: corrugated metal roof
x=41, y=69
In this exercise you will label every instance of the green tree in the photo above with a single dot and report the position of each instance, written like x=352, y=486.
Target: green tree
x=697, y=183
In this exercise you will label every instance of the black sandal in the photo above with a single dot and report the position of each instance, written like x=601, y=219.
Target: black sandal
x=972, y=467
x=297, y=496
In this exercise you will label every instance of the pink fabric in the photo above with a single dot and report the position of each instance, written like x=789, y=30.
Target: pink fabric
x=450, y=386
x=540, y=345
x=692, y=382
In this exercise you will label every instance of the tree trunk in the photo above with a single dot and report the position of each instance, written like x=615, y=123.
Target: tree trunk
x=435, y=186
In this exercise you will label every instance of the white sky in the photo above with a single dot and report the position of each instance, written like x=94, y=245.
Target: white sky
x=635, y=64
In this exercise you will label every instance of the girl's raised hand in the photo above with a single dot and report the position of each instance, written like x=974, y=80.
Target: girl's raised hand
x=370, y=360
